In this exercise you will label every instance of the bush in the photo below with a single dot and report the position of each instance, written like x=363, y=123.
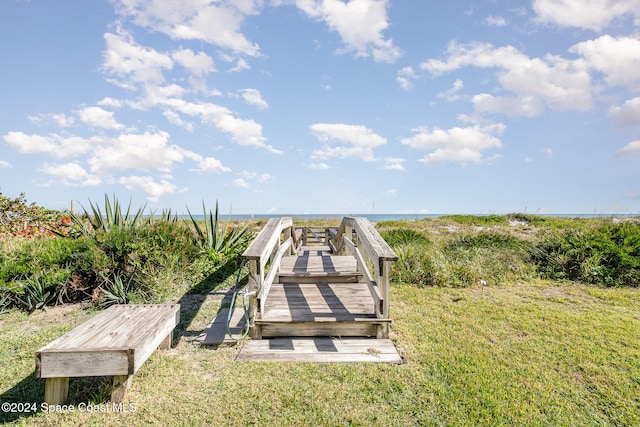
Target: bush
x=404, y=236
x=608, y=255
x=478, y=220
x=20, y=218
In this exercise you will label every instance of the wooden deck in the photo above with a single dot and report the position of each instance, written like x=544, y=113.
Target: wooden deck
x=304, y=296
x=318, y=294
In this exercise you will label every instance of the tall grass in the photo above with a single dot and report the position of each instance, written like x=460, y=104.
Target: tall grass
x=459, y=251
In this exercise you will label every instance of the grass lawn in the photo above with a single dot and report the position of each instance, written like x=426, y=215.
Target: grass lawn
x=534, y=353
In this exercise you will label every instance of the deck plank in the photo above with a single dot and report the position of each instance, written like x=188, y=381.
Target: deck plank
x=320, y=349
x=308, y=301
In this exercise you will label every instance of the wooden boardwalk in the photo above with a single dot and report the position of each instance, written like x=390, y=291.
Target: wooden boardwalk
x=301, y=293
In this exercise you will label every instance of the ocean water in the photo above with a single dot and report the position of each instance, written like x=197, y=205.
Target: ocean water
x=391, y=217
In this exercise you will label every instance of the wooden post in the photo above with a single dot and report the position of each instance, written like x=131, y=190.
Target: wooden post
x=288, y=232
x=383, y=280
x=255, y=277
x=166, y=343
x=121, y=384
x=56, y=390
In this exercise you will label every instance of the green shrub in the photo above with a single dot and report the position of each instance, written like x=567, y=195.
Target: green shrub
x=608, y=255
x=478, y=220
x=403, y=236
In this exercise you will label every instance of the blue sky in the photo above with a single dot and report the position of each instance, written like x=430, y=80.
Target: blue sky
x=323, y=106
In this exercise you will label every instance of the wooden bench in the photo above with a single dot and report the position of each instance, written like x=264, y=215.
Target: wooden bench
x=115, y=342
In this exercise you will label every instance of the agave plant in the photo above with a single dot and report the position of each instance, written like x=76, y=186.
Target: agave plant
x=217, y=240
x=35, y=294
x=115, y=291
x=5, y=300
x=112, y=217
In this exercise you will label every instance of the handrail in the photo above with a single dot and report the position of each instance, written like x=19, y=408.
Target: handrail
x=276, y=239
x=279, y=238
x=379, y=253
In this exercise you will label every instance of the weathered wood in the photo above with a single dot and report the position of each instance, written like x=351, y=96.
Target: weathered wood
x=116, y=342
x=320, y=350
x=378, y=299
x=319, y=329
x=319, y=292
x=273, y=270
x=56, y=390
x=121, y=383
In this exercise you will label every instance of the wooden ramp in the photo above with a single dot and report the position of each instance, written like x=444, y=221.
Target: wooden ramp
x=320, y=349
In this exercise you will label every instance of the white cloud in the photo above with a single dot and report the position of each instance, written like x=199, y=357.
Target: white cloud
x=393, y=163
x=319, y=166
x=254, y=97
x=405, y=77
x=69, y=174
x=239, y=182
x=588, y=14
x=136, y=151
x=391, y=192
x=174, y=118
x=559, y=83
x=632, y=148
x=99, y=117
x=4, y=164
x=452, y=94
x=617, y=58
x=62, y=120
x=197, y=64
x=206, y=165
x=359, y=139
x=154, y=190
x=360, y=24
x=212, y=21
x=244, y=132
x=241, y=65
x=626, y=115
x=510, y=105
x=131, y=63
x=110, y=102
x=495, y=21
x=456, y=144
x=53, y=145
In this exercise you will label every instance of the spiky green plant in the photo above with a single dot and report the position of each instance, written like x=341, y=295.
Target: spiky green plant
x=218, y=240
x=112, y=217
x=5, y=300
x=35, y=293
x=115, y=291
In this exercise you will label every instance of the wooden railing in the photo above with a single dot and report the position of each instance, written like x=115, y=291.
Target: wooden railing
x=357, y=236
x=277, y=239
x=373, y=255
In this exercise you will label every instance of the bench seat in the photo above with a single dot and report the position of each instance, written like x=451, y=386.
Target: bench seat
x=115, y=342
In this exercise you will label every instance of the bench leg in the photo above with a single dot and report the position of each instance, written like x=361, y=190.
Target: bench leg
x=56, y=390
x=120, y=385
x=166, y=343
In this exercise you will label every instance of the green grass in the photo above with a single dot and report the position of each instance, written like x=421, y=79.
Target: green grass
x=541, y=353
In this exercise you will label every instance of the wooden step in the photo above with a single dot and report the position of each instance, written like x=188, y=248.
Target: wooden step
x=319, y=277
x=319, y=309
x=327, y=328
x=320, y=350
